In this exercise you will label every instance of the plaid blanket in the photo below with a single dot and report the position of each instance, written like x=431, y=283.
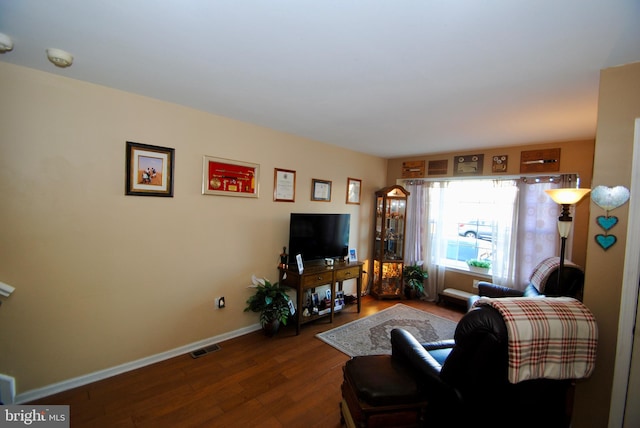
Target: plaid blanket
x=551, y=337
x=541, y=273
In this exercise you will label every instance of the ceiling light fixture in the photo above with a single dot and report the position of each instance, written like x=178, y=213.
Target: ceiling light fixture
x=6, y=44
x=59, y=57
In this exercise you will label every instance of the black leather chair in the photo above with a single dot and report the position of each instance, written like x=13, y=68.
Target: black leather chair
x=465, y=380
x=542, y=282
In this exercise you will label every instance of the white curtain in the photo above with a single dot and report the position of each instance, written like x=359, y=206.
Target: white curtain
x=423, y=229
x=537, y=236
x=505, y=219
x=414, y=218
x=434, y=242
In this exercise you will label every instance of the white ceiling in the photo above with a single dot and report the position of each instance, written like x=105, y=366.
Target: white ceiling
x=387, y=77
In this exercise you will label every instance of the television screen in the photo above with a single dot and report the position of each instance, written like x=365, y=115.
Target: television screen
x=318, y=236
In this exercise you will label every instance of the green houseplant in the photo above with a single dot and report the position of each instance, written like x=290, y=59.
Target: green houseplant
x=271, y=301
x=414, y=276
x=479, y=265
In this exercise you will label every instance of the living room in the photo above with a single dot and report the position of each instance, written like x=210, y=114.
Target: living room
x=106, y=282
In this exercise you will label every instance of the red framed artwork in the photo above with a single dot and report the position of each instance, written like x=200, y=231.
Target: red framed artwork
x=229, y=177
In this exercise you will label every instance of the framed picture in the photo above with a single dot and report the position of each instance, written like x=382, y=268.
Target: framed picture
x=320, y=190
x=468, y=165
x=149, y=170
x=284, y=185
x=353, y=190
x=292, y=308
x=299, y=263
x=339, y=300
x=327, y=295
x=229, y=177
x=353, y=255
x=499, y=163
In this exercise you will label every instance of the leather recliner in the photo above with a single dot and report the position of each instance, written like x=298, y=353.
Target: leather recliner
x=465, y=380
x=542, y=282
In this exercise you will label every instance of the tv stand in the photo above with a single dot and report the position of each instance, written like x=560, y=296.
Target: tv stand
x=316, y=274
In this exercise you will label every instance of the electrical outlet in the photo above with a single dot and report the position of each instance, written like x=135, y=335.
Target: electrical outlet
x=475, y=283
x=220, y=303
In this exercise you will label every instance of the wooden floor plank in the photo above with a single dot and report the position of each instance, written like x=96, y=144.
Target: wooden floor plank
x=285, y=381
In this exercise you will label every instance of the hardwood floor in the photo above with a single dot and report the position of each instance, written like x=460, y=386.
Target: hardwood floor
x=253, y=380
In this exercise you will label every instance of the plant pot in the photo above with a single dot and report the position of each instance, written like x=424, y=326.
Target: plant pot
x=409, y=293
x=479, y=270
x=271, y=328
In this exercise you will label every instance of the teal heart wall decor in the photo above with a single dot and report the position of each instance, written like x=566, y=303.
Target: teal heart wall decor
x=606, y=241
x=606, y=223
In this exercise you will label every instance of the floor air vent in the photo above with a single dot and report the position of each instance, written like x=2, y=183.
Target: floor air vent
x=204, y=351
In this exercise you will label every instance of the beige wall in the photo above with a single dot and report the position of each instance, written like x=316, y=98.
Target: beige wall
x=103, y=279
x=618, y=107
x=575, y=157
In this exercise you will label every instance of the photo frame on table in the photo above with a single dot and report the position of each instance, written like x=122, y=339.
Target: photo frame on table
x=339, y=300
x=320, y=190
x=353, y=190
x=226, y=177
x=284, y=185
x=149, y=170
x=300, y=263
x=353, y=255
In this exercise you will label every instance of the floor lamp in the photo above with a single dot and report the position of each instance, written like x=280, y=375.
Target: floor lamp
x=565, y=197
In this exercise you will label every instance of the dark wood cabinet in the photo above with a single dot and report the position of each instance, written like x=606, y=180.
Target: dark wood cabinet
x=317, y=274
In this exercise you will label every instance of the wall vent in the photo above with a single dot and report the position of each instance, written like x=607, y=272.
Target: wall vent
x=204, y=351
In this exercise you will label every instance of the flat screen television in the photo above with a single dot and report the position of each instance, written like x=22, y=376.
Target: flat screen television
x=318, y=236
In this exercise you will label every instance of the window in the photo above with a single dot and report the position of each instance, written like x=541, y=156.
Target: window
x=477, y=218
x=511, y=222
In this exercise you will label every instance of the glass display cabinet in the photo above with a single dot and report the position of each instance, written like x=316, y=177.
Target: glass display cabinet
x=388, y=242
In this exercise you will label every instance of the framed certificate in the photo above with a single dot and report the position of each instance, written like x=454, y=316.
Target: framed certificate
x=353, y=190
x=320, y=190
x=284, y=185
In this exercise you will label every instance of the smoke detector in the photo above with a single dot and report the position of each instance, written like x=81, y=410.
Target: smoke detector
x=59, y=57
x=6, y=44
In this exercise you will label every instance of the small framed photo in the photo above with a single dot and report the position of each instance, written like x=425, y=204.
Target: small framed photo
x=300, y=264
x=353, y=190
x=149, y=170
x=327, y=294
x=315, y=300
x=339, y=301
x=292, y=307
x=320, y=190
x=284, y=185
x=228, y=177
x=353, y=255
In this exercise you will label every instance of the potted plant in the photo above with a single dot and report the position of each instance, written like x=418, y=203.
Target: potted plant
x=476, y=265
x=414, y=276
x=272, y=301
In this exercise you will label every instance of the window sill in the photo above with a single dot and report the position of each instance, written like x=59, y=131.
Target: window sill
x=465, y=270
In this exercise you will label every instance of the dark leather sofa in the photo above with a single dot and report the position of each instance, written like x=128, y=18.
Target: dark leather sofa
x=543, y=282
x=465, y=380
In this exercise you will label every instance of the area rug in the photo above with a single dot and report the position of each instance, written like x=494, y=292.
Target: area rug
x=372, y=335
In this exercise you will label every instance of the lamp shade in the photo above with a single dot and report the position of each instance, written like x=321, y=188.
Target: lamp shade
x=568, y=196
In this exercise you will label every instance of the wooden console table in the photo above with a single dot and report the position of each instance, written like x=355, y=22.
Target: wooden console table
x=316, y=274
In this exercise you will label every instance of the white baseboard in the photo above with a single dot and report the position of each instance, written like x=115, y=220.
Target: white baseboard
x=55, y=388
